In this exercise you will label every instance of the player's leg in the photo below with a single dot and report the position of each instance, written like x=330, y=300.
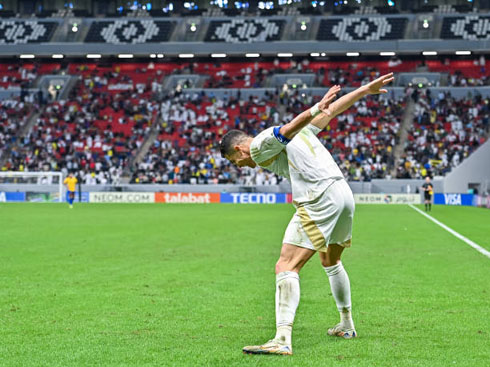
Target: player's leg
x=339, y=280
x=291, y=260
x=68, y=198
x=340, y=286
x=71, y=198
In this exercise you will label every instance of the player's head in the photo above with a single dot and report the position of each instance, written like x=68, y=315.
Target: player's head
x=70, y=174
x=235, y=146
x=427, y=179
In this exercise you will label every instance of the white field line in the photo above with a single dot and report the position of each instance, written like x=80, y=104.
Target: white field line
x=454, y=233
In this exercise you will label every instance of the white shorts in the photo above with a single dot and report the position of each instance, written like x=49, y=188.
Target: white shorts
x=326, y=220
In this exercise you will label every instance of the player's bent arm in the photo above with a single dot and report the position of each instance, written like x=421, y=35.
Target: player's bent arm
x=339, y=106
x=290, y=129
x=346, y=101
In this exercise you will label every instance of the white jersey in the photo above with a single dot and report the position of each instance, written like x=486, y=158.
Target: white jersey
x=304, y=161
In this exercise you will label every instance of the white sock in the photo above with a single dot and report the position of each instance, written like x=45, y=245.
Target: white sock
x=340, y=285
x=287, y=300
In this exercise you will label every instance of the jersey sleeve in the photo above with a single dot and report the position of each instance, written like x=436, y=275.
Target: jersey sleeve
x=314, y=129
x=65, y=181
x=265, y=146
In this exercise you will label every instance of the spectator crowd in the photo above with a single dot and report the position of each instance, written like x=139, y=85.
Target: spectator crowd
x=113, y=110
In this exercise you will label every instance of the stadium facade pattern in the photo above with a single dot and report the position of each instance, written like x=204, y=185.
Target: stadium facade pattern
x=335, y=35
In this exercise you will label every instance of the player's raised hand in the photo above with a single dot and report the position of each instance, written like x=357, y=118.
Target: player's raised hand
x=328, y=98
x=375, y=86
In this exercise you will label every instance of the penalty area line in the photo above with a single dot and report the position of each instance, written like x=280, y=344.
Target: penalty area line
x=453, y=232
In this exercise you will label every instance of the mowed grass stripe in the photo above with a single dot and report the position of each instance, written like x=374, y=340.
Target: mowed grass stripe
x=185, y=285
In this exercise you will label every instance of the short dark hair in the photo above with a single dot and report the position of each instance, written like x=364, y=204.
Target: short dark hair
x=231, y=138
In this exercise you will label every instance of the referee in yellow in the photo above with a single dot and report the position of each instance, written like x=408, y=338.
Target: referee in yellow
x=70, y=183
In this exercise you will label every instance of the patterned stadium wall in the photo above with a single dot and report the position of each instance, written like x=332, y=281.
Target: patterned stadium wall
x=352, y=29
x=14, y=32
x=129, y=31
x=470, y=27
x=244, y=31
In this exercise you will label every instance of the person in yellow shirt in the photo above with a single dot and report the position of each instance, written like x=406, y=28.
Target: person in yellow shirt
x=70, y=183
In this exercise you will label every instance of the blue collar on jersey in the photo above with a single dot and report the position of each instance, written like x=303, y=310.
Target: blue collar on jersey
x=281, y=138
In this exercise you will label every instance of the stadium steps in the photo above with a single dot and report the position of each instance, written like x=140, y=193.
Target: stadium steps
x=407, y=121
x=72, y=82
x=141, y=153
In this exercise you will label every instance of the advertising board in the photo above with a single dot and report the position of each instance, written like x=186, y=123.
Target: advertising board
x=253, y=198
x=387, y=198
x=12, y=196
x=122, y=197
x=453, y=199
x=187, y=197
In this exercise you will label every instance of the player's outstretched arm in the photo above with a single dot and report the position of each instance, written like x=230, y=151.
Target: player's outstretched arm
x=345, y=102
x=290, y=130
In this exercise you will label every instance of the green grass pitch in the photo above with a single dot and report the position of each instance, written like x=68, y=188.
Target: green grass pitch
x=190, y=285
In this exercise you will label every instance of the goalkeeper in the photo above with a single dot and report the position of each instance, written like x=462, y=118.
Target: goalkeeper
x=324, y=206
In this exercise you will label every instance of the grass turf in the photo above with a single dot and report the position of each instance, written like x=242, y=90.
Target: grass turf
x=190, y=285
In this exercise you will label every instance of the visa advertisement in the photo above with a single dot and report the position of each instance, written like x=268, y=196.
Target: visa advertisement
x=454, y=199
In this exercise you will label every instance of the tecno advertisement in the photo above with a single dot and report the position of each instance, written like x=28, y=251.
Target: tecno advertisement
x=253, y=198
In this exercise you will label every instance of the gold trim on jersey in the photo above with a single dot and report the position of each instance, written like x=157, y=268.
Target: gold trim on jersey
x=292, y=165
x=307, y=142
x=311, y=229
x=269, y=161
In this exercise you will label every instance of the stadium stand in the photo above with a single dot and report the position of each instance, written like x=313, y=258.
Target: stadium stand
x=104, y=122
x=24, y=74
x=362, y=140
x=13, y=115
x=445, y=131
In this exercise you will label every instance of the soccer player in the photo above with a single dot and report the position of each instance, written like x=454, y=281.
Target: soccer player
x=428, y=192
x=324, y=206
x=70, y=183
